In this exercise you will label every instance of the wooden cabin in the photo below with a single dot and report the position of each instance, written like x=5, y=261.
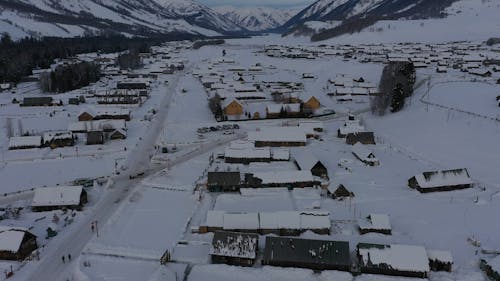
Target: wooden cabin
x=16, y=243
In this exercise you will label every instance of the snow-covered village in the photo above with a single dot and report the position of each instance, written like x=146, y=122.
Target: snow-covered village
x=250, y=143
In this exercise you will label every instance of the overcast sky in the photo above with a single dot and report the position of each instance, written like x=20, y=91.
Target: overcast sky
x=254, y=3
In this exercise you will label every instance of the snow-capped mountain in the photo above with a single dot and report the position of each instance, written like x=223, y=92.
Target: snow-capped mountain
x=341, y=10
x=256, y=18
x=77, y=17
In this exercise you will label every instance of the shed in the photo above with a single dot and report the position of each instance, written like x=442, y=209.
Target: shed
x=234, y=248
x=307, y=253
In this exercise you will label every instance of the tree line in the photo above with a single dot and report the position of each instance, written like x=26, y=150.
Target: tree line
x=67, y=77
x=19, y=58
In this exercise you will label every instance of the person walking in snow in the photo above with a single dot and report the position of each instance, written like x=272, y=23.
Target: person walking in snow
x=69, y=257
x=63, y=259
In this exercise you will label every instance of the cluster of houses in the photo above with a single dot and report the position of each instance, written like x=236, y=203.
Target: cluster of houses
x=96, y=124
x=242, y=249
x=477, y=59
x=271, y=146
x=242, y=93
x=346, y=88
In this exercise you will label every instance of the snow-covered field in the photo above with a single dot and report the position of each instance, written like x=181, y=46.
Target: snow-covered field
x=448, y=123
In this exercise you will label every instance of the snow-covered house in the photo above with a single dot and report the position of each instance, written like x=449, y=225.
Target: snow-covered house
x=445, y=180
x=25, y=142
x=16, y=243
x=378, y=223
x=306, y=161
x=278, y=136
x=307, y=253
x=52, y=198
x=234, y=248
x=340, y=192
x=232, y=107
x=364, y=155
x=399, y=260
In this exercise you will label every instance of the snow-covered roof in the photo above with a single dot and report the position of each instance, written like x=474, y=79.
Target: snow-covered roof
x=284, y=177
x=443, y=178
x=249, y=152
x=29, y=141
x=305, y=159
x=57, y=196
x=228, y=94
x=97, y=125
x=215, y=218
x=288, y=107
x=376, y=221
x=11, y=238
x=278, y=134
x=441, y=256
x=231, y=244
x=56, y=135
x=495, y=263
x=281, y=154
x=351, y=127
x=298, y=220
x=241, y=221
x=106, y=111
x=362, y=152
x=397, y=257
x=310, y=127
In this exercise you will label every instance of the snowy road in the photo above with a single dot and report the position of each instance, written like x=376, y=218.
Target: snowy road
x=50, y=267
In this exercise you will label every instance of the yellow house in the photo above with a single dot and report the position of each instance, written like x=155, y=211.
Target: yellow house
x=312, y=103
x=233, y=107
